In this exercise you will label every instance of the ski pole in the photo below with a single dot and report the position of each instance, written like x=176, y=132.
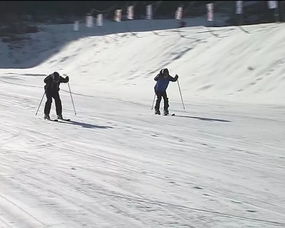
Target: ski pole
x=180, y=94
x=41, y=102
x=71, y=98
x=153, y=102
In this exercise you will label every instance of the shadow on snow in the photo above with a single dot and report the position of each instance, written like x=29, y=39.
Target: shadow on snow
x=203, y=118
x=85, y=125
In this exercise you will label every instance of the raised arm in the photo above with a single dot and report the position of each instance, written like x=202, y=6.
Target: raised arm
x=64, y=80
x=173, y=79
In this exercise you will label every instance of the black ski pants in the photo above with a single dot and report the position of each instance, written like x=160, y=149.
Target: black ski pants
x=160, y=95
x=58, y=106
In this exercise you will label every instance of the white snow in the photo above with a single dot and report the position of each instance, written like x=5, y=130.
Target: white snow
x=219, y=163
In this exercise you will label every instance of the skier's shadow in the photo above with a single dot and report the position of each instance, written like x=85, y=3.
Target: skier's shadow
x=85, y=125
x=203, y=118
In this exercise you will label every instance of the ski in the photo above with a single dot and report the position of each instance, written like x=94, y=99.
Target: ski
x=58, y=120
x=63, y=119
x=172, y=114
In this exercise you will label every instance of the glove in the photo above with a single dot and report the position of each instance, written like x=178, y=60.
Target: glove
x=67, y=78
x=176, y=76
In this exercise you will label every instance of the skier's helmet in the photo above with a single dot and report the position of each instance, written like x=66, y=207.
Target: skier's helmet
x=56, y=76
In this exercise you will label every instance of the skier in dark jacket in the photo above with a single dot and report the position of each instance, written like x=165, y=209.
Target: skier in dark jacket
x=162, y=81
x=52, y=91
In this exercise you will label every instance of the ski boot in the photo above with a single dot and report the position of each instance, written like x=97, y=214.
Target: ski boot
x=157, y=112
x=59, y=117
x=166, y=112
x=46, y=117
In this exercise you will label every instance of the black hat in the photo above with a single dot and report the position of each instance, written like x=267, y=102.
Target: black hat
x=56, y=76
x=165, y=71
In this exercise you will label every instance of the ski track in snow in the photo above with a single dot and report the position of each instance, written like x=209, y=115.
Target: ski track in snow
x=130, y=168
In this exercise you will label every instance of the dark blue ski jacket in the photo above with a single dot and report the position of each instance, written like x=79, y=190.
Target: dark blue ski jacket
x=162, y=82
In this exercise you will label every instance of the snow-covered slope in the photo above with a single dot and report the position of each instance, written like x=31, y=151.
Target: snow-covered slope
x=219, y=163
x=236, y=65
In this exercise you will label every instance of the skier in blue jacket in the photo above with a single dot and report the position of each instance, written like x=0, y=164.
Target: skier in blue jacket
x=162, y=81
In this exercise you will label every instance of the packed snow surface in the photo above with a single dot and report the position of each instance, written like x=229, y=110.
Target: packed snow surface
x=219, y=162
